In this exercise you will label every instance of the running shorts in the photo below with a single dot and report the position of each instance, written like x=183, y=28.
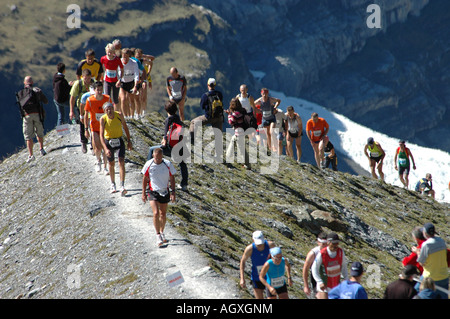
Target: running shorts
x=155, y=196
x=114, y=145
x=280, y=290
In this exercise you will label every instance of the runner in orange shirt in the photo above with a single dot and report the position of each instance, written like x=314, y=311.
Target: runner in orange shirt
x=316, y=129
x=94, y=107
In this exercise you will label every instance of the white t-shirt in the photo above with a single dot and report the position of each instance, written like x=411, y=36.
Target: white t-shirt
x=159, y=174
x=130, y=71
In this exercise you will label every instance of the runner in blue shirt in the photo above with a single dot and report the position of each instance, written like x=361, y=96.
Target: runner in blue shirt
x=350, y=289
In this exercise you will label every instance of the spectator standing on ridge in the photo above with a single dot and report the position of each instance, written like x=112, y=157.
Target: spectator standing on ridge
x=352, y=288
x=376, y=156
x=158, y=172
x=403, y=288
x=61, y=93
x=92, y=64
x=211, y=103
x=268, y=107
x=310, y=258
x=236, y=114
x=79, y=88
x=294, y=132
x=316, y=129
x=259, y=253
x=276, y=269
x=112, y=125
x=176, y=86
x=334, y=263
x=33, y=114
x=433, y=258
x=417, y=235
x=172, y=135
x=403, y=154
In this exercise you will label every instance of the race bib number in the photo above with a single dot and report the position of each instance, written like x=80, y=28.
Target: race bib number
x=114, y=142
x=267, y=113
x=111, y=74
x=402, y=161
x=317, y=133
x=277, y=282
x=176, y=95
x=375, y=154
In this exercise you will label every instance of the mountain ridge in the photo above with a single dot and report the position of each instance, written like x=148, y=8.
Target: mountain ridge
x=54, y=216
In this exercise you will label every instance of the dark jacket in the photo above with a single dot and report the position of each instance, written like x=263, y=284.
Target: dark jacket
x=204, y=102
x=61, y=88
x=400, y=289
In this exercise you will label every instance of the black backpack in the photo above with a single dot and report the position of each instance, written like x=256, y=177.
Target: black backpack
x=27, y=100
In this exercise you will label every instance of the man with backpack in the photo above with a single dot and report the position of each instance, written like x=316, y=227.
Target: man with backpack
x=212, y=104
x=32, y=111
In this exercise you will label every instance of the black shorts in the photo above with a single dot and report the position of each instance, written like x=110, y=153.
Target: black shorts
x=376, y=159
x=155, y=196
x=178, y=100
x=295, y=135
x=280, y=290
x=127, y=86
x=258, y=284
x=266, y=121
x=402, y=170
x=114, y=148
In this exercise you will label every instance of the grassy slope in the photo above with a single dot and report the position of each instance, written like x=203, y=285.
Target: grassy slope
x=227, y=203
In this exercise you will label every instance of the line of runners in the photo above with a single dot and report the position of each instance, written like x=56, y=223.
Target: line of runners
x=325, y=274
x=102, y=113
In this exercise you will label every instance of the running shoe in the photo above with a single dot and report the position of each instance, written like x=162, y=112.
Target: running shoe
x=83, y=148
x=105, y=171
x=159, y=240
x=163, y=238
x=113, y=188
x=30, y=158
x=123, y=191
x=98, y=167
x=43, y=152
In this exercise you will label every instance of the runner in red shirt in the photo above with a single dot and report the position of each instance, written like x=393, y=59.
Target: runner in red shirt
x=111, y=63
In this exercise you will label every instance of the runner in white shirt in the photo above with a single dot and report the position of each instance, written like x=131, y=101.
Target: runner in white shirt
x=158, y=172
x=129, y=79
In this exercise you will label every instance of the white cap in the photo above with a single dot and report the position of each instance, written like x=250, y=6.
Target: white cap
x=258, y=237
x=212, y=81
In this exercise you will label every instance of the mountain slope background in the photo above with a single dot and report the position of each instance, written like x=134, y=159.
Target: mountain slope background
x=58, y=213
x=386, y=79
